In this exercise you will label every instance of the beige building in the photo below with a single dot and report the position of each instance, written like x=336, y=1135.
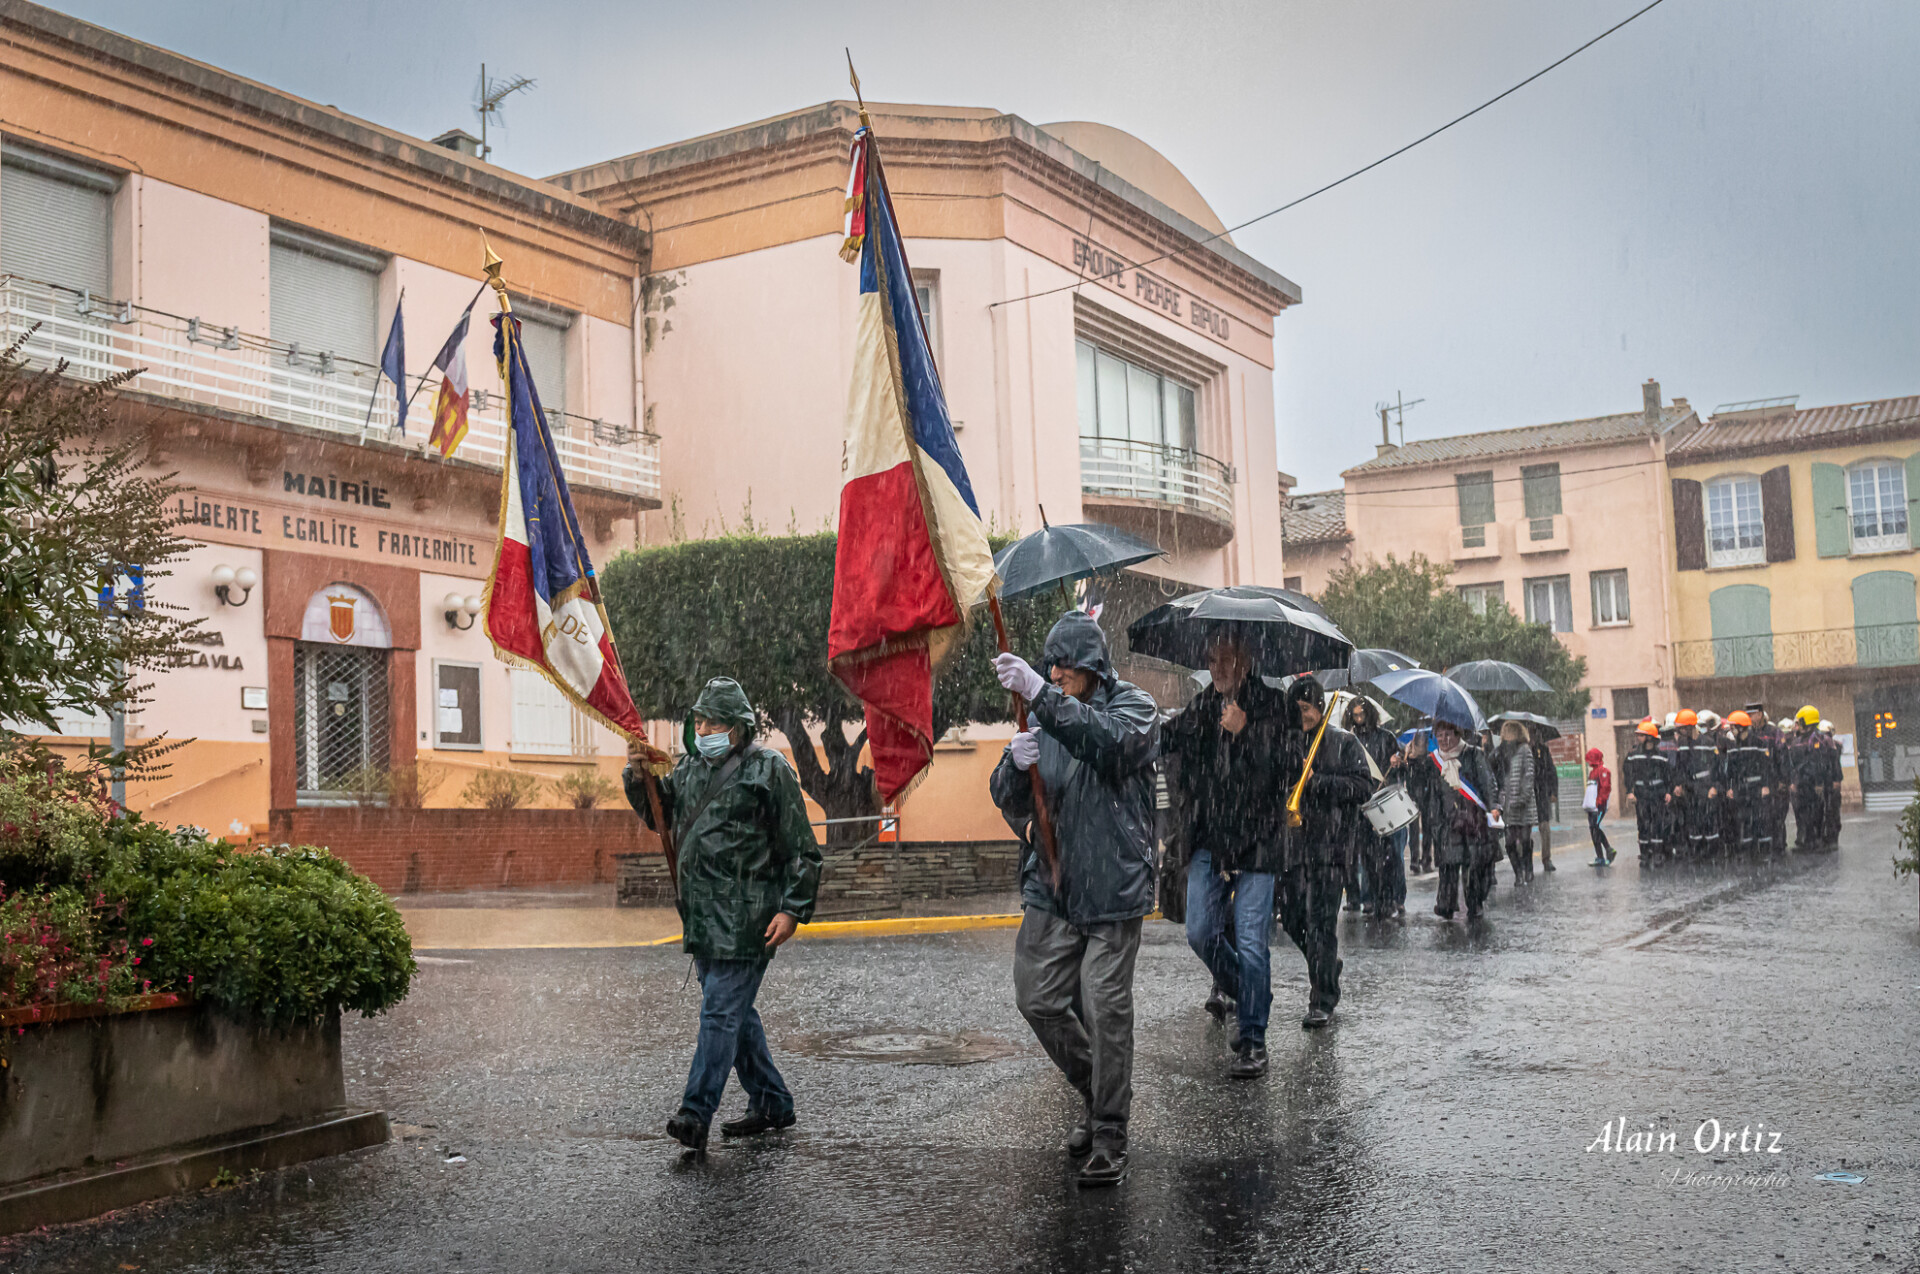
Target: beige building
x=1567, y=523
x=1313, y=530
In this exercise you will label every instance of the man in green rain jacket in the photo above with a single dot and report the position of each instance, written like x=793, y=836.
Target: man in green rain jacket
x=749, y=870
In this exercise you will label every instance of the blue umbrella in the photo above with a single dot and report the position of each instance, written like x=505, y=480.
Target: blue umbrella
x=1434, y=695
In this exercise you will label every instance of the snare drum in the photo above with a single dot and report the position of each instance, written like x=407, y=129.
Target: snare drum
x=1390, y=809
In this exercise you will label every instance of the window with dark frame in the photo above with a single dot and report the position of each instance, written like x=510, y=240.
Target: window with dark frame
x=1550, y=602
x=1631, y=704
x=1540, y=488
x=1610, y=607
x=1476, y=506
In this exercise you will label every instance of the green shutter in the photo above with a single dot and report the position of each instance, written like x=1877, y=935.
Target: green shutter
x=1886, y=625
x=1831, y=538
x=1913, y=498
x=1742, y=617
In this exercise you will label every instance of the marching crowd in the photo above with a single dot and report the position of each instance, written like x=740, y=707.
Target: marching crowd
x=1275, y=811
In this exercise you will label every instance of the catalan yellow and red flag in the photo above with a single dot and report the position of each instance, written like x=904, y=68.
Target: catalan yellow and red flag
x=450, y=404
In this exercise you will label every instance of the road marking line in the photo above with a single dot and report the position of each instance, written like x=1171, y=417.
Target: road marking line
x=883, y=928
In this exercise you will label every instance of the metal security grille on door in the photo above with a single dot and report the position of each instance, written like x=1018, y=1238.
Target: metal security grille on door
x=339, y=721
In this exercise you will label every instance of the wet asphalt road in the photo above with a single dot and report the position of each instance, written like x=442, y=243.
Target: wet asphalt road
x=1442, y=1124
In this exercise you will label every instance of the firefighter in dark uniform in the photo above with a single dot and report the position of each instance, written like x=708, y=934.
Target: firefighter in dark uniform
x=1807, y=779
x=1747, y=770
x=1831, y=772
x=1696, y=787
x=1774, y=740
x=1647, y=775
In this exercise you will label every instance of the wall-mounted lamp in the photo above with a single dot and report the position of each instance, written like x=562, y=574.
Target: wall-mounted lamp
x=456, y=607
x=226, y=579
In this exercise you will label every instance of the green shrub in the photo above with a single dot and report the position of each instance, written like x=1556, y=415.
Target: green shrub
x=282, y=934
x=51, y=817
x=501, y=790
x=584, y=789
x=94, y=908
x=1909, y=839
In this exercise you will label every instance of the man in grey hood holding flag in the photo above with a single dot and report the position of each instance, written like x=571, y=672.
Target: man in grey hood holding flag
x=1094, y=738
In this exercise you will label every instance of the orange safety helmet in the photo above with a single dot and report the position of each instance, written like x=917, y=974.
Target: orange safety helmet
x=1686, y=716
x=1648, y=728
x=1739, y=718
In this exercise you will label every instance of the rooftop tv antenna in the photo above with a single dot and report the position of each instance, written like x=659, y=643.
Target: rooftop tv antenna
x=492, y=94
x=1398, y=409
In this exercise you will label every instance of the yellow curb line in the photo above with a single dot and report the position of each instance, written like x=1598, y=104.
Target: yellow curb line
x=882, y=928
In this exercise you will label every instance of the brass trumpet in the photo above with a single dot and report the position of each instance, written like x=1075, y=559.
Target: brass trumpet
x=1294, y=817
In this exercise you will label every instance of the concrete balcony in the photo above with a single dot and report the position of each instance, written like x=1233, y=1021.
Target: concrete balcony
x=1868, y=649
x=1541, y=535
x=270, y=383
x=1476, y=543
x=1169, y=494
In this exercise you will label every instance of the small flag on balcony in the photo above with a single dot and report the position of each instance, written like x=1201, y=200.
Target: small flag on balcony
x=450, y=404
x=393, y=363
x=912, y=556
x=543, y=606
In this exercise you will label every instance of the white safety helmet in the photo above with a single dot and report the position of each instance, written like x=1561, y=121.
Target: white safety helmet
x=1709, y=720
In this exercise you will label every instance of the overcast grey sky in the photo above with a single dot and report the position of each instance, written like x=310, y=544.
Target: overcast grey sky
x=1722, y=196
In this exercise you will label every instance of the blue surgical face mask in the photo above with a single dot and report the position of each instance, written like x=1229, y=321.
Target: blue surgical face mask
x=714, y=746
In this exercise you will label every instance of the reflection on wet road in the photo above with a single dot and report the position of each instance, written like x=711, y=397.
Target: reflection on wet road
x=1444, y=1122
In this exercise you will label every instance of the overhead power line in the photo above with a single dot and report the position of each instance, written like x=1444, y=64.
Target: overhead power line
x=1427, y=137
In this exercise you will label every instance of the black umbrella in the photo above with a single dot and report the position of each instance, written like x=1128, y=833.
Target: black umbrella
x=1284, y=637
x=1547, y=728
x=1056, y=555
x=1496, y=674
x=1370, y=662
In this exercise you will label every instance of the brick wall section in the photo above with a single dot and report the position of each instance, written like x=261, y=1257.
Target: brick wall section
x=875, y=877
x=428, y=851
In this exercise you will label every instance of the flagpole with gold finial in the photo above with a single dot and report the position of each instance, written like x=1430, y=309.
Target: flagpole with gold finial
x=853, y=77
x=669, y=850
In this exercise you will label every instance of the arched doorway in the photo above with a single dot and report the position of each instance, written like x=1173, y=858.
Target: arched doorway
x=340, y=706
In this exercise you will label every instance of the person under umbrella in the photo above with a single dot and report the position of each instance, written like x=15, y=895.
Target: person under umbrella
x=1228, y=802
x=1336, y=785
x=1454, y=780
x=1095, y=739
x=1513, y=763
x=1382, y=857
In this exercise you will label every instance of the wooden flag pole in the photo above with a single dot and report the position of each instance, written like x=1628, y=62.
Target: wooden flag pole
x=1049, y=848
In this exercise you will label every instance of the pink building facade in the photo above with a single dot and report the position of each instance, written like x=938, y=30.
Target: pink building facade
x=1569, y=524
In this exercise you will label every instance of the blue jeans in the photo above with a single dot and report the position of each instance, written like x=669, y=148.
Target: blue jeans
x=1240, y=960
x=731, y=1038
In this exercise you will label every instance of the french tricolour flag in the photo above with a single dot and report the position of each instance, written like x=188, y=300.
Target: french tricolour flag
x=912, y=555
x=543, y=606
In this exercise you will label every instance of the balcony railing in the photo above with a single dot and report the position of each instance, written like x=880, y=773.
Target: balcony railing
x=1159, y=474
x=224, y=368
x=1825, y=649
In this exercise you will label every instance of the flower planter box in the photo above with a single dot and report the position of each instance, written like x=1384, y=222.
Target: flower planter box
x=102, y=1110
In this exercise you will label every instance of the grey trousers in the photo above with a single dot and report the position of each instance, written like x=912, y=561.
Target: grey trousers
x=1075, y=988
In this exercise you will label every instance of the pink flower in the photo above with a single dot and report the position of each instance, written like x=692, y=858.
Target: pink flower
x=136, y=959
x=146, y=942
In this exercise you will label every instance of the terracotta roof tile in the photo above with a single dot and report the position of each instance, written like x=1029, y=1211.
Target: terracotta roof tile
x=1314, y=517
x=1786, y=428
x=1505, y=442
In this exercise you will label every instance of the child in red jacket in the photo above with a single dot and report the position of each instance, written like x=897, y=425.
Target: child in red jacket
x=1599, y=788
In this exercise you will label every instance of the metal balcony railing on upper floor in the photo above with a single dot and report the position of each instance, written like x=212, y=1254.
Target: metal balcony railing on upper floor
x=1817, y=650
x=224, y=368
x=1157, y=474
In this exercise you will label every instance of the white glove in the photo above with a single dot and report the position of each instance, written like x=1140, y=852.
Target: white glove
x=1025, y=749
x=1017, y=675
